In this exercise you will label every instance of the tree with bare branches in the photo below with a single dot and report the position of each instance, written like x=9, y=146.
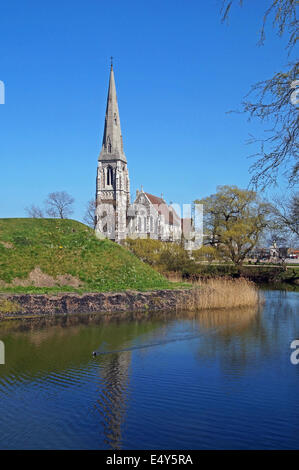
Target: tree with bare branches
x=59, y=204
x=274, y=101
x=283, y=18
x=285, y=210
x=89, y=216
x=34, y=212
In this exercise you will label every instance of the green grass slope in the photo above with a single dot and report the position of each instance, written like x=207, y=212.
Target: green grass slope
x=66, y=247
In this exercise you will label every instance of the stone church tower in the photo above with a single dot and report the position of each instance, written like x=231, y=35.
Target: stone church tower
x=113, y=185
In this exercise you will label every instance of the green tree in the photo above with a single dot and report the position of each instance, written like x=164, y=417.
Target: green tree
x=146, y=249
x=206, y=254
x=175, y=258
x=164, y=256
x=234, y=220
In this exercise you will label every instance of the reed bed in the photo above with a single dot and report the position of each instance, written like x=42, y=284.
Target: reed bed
x=221, y=293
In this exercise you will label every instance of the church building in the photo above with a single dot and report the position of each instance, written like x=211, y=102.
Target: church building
x=116, y=216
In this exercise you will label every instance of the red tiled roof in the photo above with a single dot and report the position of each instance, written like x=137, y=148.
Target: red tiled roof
x=169, y=213
x=155, y=199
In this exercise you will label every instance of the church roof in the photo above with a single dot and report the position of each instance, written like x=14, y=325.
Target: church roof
x=168, y=212
x=155, y=199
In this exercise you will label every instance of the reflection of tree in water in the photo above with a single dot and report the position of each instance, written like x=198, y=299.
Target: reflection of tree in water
x=228, y=335
x=238, y=337
x=113, y=398
x=281, y=308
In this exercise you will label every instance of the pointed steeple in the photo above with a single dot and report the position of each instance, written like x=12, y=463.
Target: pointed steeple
x=112, y=145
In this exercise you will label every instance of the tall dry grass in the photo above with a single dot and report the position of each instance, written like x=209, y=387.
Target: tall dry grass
x=175, y=277
x=221, y=293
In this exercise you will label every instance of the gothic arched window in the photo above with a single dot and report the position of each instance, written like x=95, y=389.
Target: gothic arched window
x=109, y=176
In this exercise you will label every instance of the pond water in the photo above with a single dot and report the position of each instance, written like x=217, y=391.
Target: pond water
x=215, y=380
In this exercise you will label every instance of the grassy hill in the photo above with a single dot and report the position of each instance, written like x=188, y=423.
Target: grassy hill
x=54, y=255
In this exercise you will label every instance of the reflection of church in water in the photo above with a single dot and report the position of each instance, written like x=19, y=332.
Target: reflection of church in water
x=238, y=332
x=113, y=400
x=116, y=217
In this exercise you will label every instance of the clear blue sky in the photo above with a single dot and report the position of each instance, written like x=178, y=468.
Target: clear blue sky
x=178, y=71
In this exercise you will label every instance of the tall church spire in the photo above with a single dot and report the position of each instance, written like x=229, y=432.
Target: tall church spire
x=112, y=145
x=113, y=184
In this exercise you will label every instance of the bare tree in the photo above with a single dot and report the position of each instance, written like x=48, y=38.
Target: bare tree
x=59, y=204
x=286, y=213
x=278, y=152
x=274, y=101
x=34, y=211
x=283, y=18
x=89, y=216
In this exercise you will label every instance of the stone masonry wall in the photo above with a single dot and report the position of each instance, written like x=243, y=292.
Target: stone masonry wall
x=68, y=303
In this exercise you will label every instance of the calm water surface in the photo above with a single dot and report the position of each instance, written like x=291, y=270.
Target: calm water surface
x=218, y=380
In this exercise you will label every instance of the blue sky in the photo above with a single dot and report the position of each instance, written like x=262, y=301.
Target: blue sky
x=178, y=71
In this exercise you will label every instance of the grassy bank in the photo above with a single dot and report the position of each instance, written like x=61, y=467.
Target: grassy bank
x=209, y=295
x=54, y=255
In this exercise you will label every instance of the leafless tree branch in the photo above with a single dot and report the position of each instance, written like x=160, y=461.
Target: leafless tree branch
x=59, y=204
